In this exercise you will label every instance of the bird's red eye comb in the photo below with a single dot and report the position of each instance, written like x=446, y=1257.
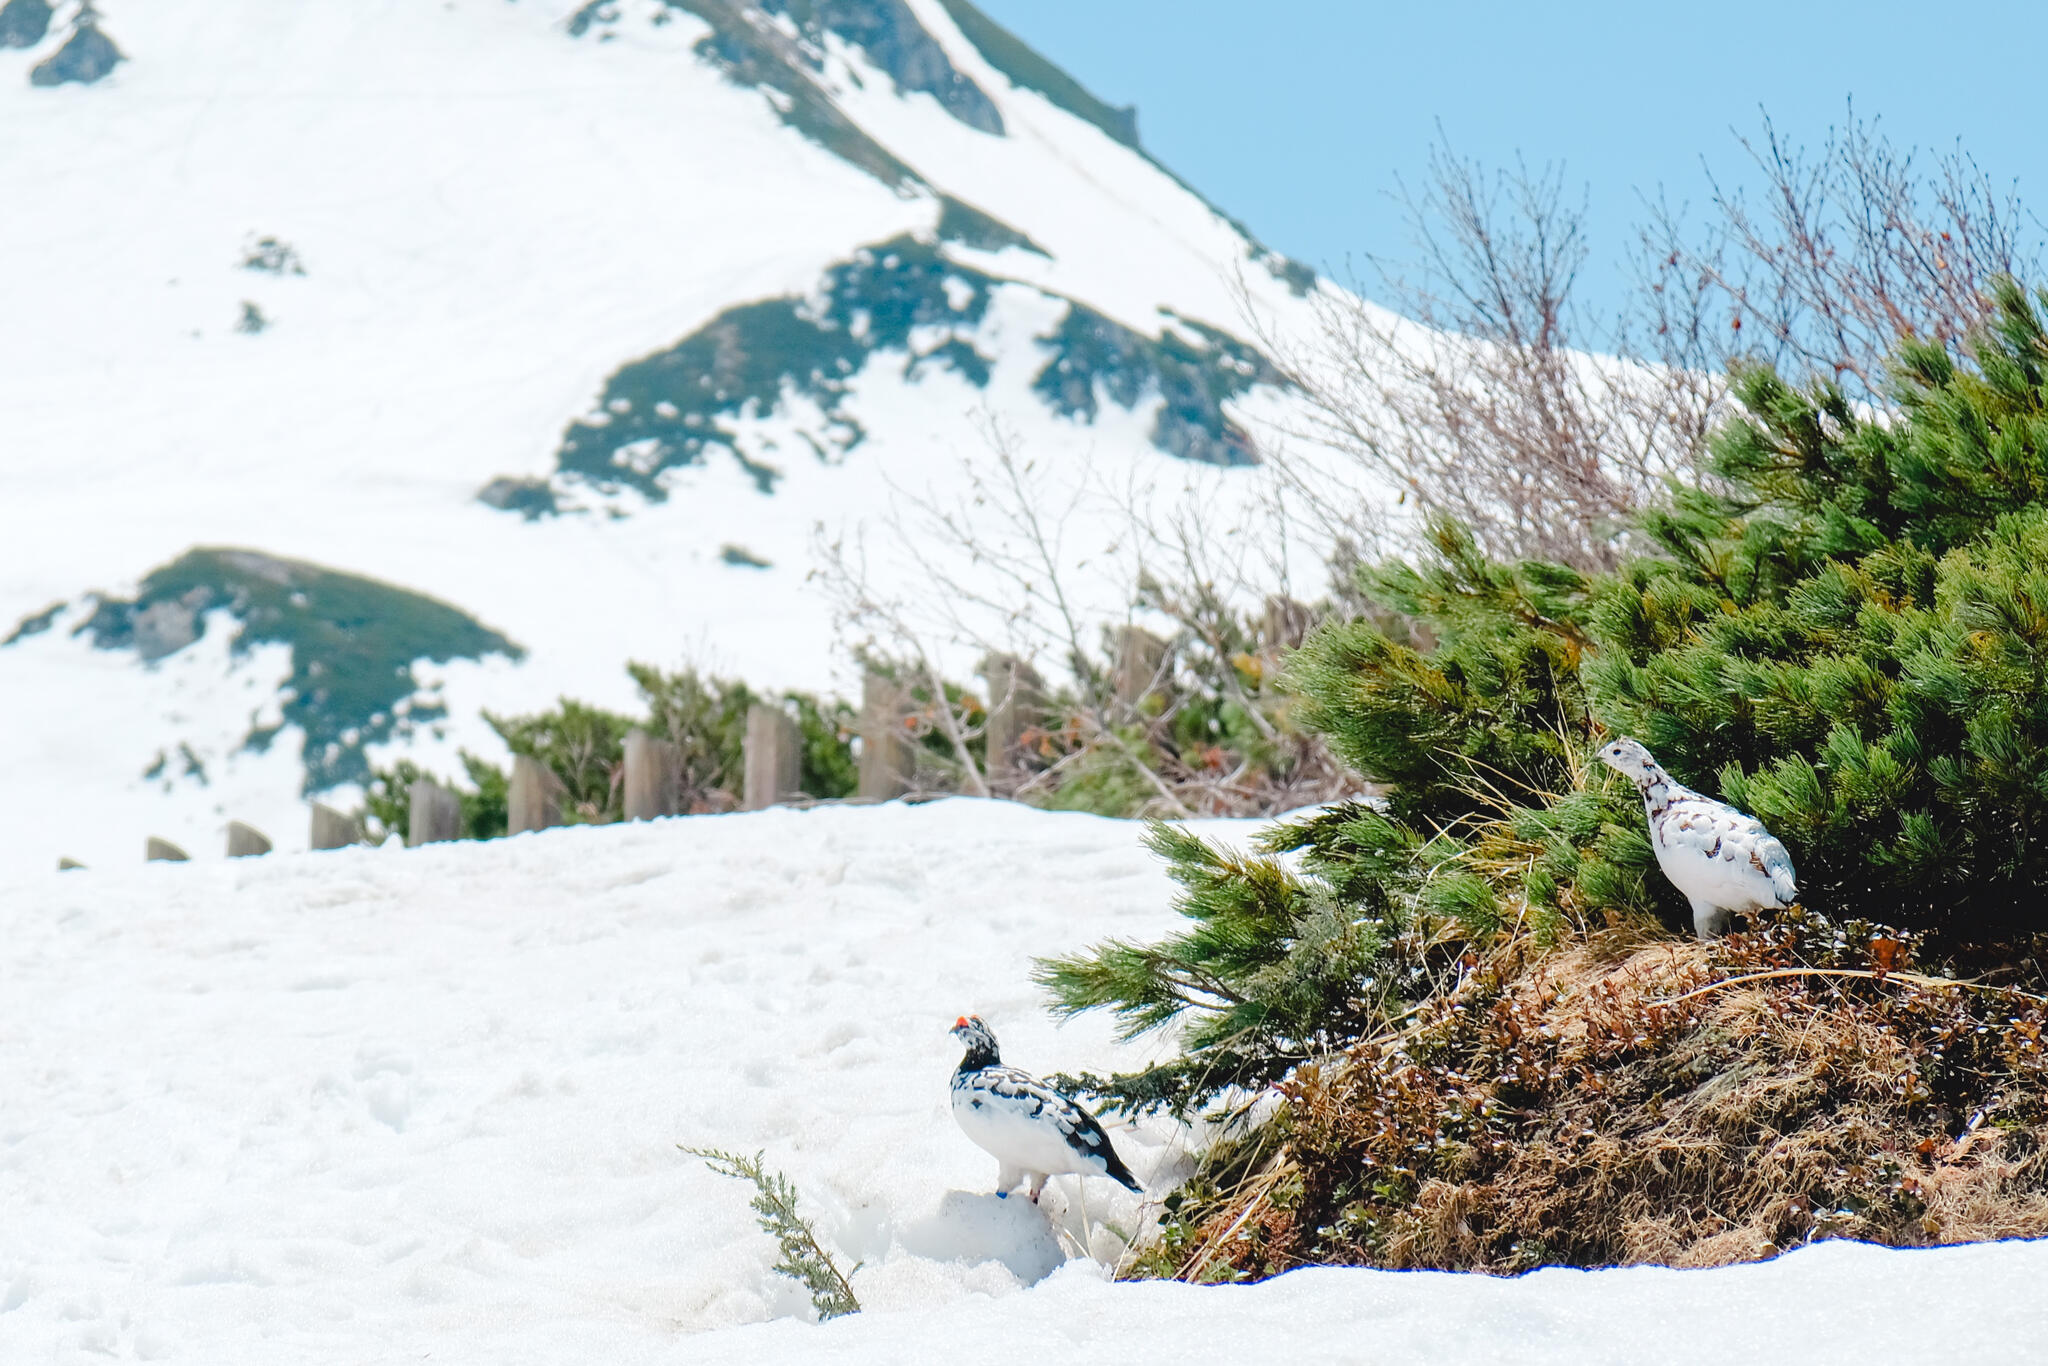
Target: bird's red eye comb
x=960, y=1023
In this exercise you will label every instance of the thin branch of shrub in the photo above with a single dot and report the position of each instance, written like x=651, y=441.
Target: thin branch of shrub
x=803, y=1258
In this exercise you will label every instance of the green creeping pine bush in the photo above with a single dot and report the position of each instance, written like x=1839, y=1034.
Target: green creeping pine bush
x=1846, y=633
x=1854, y=644
x=1275, y=967
x=706, y=718
x=1496, y=699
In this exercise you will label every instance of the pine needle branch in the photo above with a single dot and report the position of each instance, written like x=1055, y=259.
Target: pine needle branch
x=803, y=1257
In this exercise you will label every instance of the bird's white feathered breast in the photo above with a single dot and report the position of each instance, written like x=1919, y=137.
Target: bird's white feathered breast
x=1023, y=1123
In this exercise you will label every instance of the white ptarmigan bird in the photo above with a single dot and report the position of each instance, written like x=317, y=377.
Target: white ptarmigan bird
x=1029, y=1128
x=1722, y=859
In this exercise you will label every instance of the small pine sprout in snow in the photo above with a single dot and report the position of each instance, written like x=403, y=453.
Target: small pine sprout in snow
x=803, y=1257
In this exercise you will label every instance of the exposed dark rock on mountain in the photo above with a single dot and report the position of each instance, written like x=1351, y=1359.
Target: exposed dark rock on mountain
x=354, y=644
x=904, y=298
x=24, y=23
x=1008, y=54
x=897, y=43
x=530, y=497
x=1192, y=367
x=87, y=56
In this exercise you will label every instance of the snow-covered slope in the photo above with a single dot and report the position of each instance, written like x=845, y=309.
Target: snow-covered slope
x=669, y=283
x=385, y=1105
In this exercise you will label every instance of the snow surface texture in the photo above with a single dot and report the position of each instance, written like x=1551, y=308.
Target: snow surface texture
x=353, y=1102
x=381, y=1106
x=492, y=216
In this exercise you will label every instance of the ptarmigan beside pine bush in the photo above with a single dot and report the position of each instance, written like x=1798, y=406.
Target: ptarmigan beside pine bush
x=1030, y=1129
x=1723, y=860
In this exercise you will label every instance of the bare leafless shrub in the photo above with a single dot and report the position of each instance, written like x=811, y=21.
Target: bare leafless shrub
x=1476, y=388
x=1479, y=395
x=988, y=572
x=893, y=640
x=1843, y=251
x=1165, y=664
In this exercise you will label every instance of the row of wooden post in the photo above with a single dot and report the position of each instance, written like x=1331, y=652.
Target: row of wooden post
x=244, y=841
x=774, y=751
x=331, y=830
x=653, y=783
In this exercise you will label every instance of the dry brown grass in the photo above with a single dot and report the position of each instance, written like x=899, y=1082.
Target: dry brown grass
x=1625, y=1099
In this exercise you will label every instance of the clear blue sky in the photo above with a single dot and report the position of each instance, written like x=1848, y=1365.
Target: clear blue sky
x=1297, y=116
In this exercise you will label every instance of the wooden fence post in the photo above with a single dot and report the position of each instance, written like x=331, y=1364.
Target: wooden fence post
x=436, y=814
x=774, y=758
x=1016, y=696
x=332, y=830
x=653, y=776
x=534, y=799
x=163, y=851
x=246, y=841
x=884, y=757
x=1140, y=665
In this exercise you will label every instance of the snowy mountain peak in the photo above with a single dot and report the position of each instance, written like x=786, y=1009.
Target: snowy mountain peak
x=919, y=300
x=787, y=46
x=577, y=320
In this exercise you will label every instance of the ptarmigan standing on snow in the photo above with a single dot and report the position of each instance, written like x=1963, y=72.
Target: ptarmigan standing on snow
x=1723, y=860
x=1028, y=1127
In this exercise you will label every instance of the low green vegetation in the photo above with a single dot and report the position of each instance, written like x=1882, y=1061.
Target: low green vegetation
x=23, y=23
x=667, y=410
x=1195, y=369
x=86, y=56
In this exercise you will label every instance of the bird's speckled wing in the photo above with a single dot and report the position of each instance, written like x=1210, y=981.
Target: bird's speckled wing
x=1726, y=845
x=1015, y=1115
x=1033, y=1098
